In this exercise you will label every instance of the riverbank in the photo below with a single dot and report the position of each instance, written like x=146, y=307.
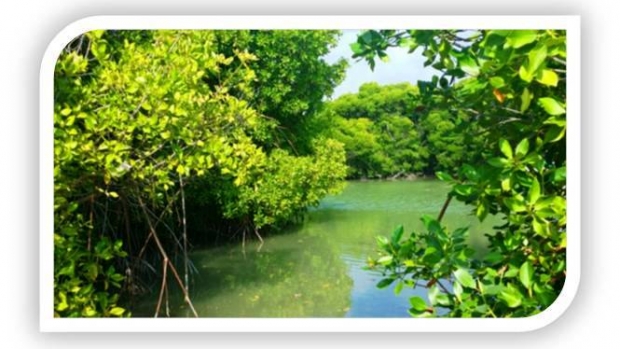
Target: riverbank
x=404, y=176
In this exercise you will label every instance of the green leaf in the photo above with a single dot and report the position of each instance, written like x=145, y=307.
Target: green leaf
x=383, y=242
x=89, y=312
x=519, y=38
x=481, y=212
x=92, y=271
x=405, y=249
x=551, y=106
x=464, y=189
x=464, y=278
x=563, y=242
x=468, y=64
x=546, y=298
x=559, y=204
x=556, y=120
x=117, y=311
x=515, y=204
x=443, y=82
x=524, y=74
x=409, y=43
x=96, y=34
x=492, y=290
x=559, y=175
x=522, y=148
x=62, y=305
x=457, y=289
x=436, y=297
x=385, y=283
x=502, y=33
x=526, y=273
x=544, y=213
x=89, y=123
x=409, y=263
x=526, y=99
x=506, y=184
x=534, y=193
x=444, y=176
x=511, y=296
x=432, y=255
x=540, y=227
x=497, y=82
x=554, y=134
x=398, y=288
x=548, y=77
x=418, y=304
x=536, y=57
x=504, y=146
x=68, y=270
x=397, y=234
x=385, y=260
x=431, y=224
x=357, y=49
x=369, y=36
x=498, y=162
x=494, y=257
x=99, y=49
x=513, y=271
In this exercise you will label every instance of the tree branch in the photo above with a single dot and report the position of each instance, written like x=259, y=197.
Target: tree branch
x=445, y=206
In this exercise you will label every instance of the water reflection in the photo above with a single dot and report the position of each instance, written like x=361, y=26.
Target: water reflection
x=316, y=270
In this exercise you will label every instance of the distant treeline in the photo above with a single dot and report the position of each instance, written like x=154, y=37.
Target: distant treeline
x=388, y=131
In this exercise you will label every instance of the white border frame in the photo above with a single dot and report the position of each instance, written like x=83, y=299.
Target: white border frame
x=46, y=304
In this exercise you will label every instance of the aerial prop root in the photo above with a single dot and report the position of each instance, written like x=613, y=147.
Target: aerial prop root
x=166, y=263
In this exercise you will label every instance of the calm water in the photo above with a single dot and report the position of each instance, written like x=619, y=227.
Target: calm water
x=315, y=270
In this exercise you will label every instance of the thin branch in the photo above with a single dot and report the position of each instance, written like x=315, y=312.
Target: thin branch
x=163, y=287
x=135, y=111
x=90, y=231
x=167, y=302
x=445, y=206
x=442, y=287
x=475, y=112
x=514, y=111
x=184, y=233
x=505, y=121
x=561, y=61
x=166, y=260
x=243, y=242
x=159, y=219
x=259, y=238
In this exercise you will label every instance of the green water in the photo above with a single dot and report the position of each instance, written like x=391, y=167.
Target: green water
x=315, y=270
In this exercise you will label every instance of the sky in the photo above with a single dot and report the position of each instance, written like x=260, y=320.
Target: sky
x=401, y=67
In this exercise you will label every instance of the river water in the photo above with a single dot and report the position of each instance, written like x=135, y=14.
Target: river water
x=315, y=269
